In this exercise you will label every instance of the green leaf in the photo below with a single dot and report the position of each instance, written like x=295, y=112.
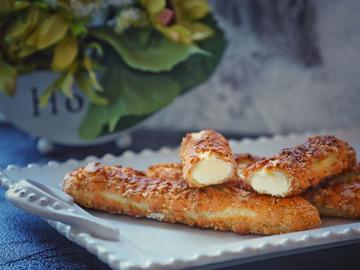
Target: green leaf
x=85, y=85
x=63, y=83
x=52, y=30
x=96, y=47
x=8, y=76
x=67, y=84
x=79, y=26
x=196, y=70
x=45, y=96
x=136, y=95
x=145, y=49
x=23, y=24
x=199, y=67
x=129, y=92
x=88, y=64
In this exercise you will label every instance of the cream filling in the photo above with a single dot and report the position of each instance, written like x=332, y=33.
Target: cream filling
x=157, y=216
x=197, y=135
x=211, y=170
x=270, y=182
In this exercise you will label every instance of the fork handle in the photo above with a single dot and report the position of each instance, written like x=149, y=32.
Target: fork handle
x=31, y=198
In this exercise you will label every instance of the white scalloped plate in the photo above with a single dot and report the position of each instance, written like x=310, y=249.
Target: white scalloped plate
x=148, y=244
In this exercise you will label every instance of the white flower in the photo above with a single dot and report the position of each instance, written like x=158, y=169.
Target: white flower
x=83, y=9
x=125, y=18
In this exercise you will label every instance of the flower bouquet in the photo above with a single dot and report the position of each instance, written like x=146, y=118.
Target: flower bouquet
x=127, y=59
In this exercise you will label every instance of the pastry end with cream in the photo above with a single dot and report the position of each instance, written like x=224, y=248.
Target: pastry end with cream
x=296, y=169
x=206, y=159
x=211, y=170
x=271, y=182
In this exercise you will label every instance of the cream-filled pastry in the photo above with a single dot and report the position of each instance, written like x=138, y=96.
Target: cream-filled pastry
x=206, y=159
x=294, y=170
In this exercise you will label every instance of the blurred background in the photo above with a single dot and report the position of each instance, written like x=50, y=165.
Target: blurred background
x=291, y=65
x=288, y=66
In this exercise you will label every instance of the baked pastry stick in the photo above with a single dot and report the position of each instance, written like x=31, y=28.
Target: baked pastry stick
x=340, y=197
x=264, y=207
x=223, y=207
x=294, y=170
x=243, y=161
x=336, y=197
x=206, y=159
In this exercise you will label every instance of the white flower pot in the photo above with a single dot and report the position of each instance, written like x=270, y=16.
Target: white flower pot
x=58, y=122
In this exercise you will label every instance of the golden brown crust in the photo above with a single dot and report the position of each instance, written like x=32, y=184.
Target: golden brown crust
x=195, y=145
x=340, y=197
x=308, y=164
x=246, y=159
x=223, y=207
x=165, y=171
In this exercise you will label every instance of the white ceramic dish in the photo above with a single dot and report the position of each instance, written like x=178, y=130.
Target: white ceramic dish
x=148, y=244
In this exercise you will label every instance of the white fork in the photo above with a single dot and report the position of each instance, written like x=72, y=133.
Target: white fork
x=54, y=204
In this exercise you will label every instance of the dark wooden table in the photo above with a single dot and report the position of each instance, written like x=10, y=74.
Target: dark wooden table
x=28, y=242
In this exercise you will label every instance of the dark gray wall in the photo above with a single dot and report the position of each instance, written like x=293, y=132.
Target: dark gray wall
x=290, y=66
